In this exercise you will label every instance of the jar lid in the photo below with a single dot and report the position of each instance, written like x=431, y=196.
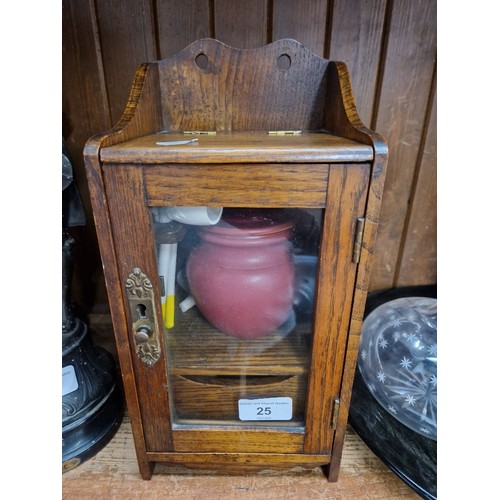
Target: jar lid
x=251, y=222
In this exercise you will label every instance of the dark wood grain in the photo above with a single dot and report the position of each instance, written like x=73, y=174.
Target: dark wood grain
x=118, y=21
x=218, y=98
x=356, y=39
x=241, y=27
x=301, y=20
x=419, y=254
x=400, y=117
x=85, y=112
x=180, y=23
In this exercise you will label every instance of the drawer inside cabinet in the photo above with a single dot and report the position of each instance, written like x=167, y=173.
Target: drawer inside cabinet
x=216, y=397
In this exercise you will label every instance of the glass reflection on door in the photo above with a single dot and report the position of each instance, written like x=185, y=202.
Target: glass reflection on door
x=238, y=287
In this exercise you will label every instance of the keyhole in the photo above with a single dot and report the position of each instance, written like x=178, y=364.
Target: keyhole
x=141, y=309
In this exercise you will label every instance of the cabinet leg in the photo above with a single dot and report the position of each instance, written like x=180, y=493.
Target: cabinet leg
x=332, y=471
x=146, y=469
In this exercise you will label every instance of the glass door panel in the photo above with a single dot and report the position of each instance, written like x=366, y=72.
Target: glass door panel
x=238, y=290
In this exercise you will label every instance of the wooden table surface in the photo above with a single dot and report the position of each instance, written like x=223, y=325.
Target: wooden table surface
x=113, y=474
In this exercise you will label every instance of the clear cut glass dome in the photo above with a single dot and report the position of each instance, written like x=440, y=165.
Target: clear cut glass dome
x=398, y=361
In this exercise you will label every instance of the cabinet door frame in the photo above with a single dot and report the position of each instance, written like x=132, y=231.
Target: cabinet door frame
x=342, y=192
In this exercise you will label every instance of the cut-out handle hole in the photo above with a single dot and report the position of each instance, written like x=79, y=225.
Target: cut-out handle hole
x=284, y=62
x=201, y=60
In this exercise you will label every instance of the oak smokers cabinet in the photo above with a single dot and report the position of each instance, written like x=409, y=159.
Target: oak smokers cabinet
x=256, y=138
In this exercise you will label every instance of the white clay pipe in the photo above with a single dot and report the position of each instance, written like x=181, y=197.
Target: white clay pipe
x=164, y=253
x=169, y=311
x=167, y=253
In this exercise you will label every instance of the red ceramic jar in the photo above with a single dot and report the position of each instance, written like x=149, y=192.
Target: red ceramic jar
x=242, y=275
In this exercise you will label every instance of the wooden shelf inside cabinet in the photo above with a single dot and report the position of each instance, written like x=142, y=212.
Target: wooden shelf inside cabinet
x=196, y=133
x=197, y=348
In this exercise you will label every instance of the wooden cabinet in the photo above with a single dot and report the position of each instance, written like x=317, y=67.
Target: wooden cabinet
x=274, y=136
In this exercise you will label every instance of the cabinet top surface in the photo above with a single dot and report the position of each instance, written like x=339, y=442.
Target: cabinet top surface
x=247, y=147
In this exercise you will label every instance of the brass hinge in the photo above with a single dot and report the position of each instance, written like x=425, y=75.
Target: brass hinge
x=358, y=239
x=200, y=132
x=285, y=132
x=335, y=415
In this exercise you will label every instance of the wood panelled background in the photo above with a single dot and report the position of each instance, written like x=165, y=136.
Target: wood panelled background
x=389, y=47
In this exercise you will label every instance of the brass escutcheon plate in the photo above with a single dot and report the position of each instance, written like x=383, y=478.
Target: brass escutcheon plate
x=141, y=300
